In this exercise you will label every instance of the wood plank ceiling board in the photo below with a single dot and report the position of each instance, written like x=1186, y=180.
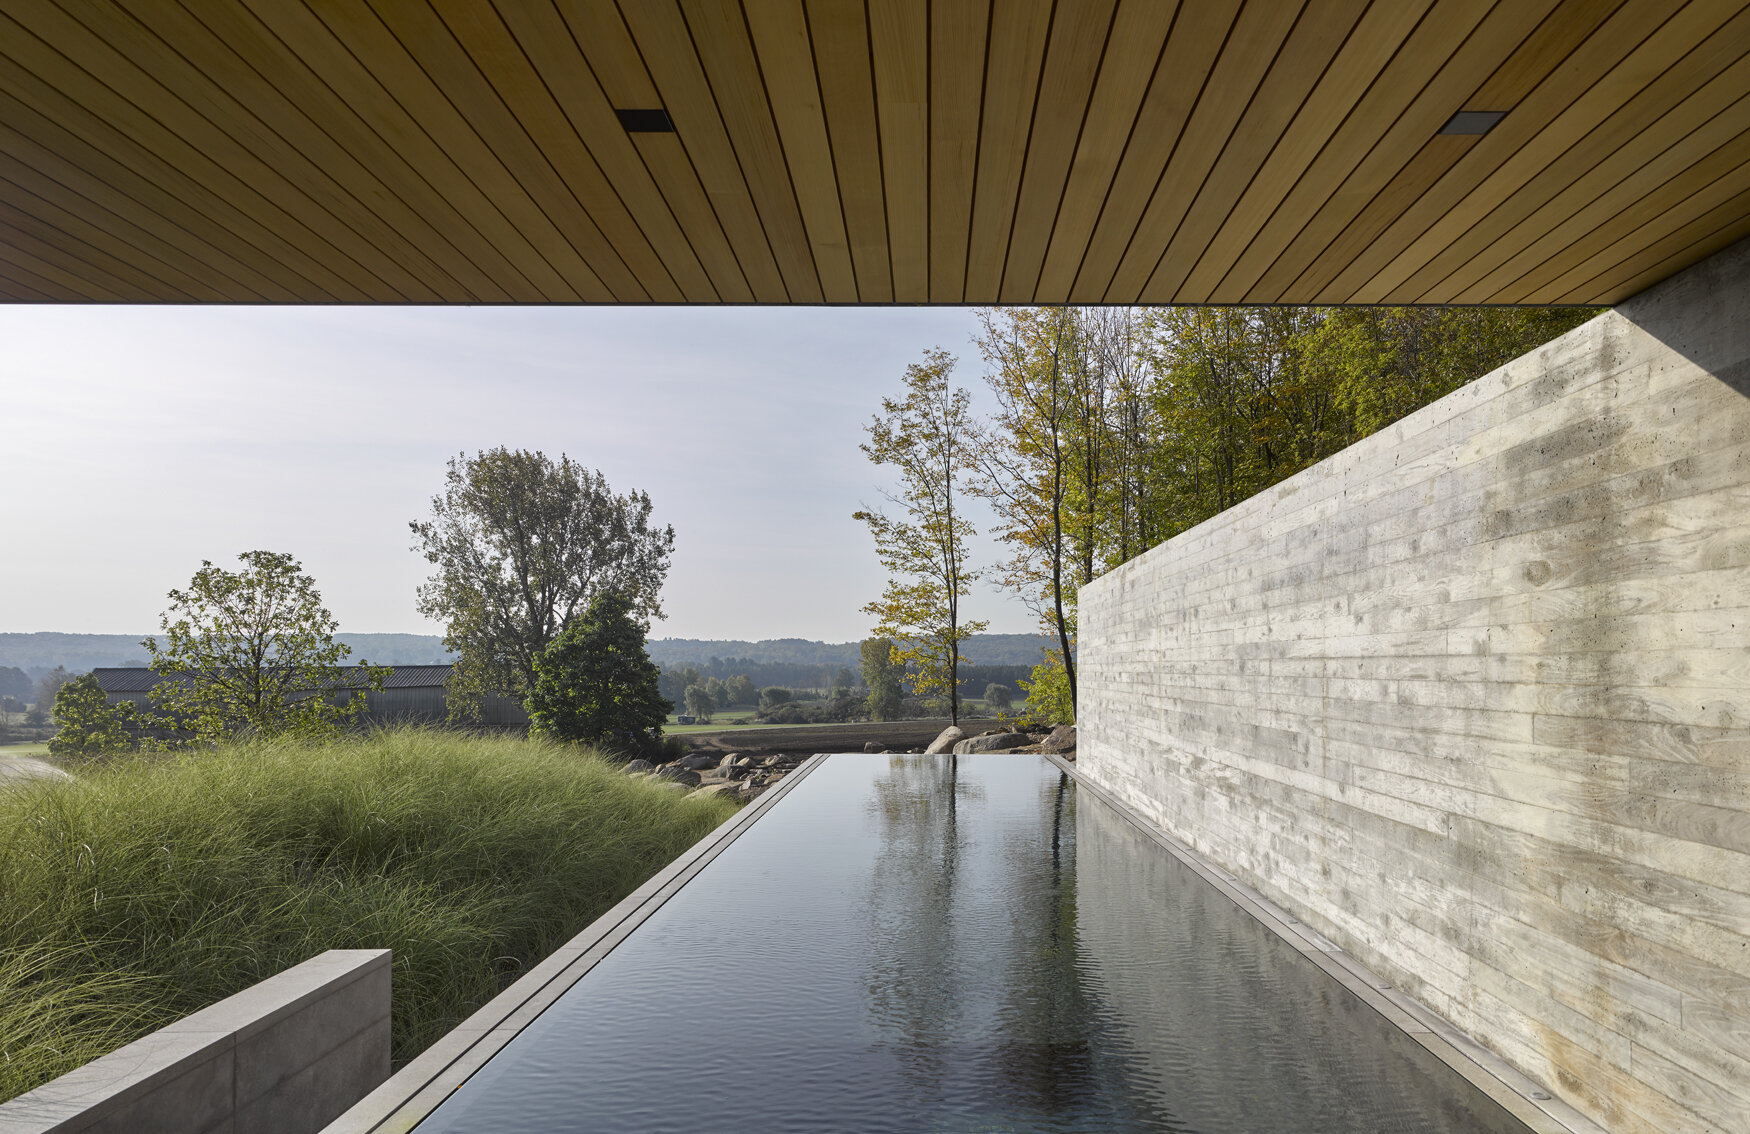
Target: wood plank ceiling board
x=780, y=35
x=46, y=226
x=1018, y=29
x=1133, y=53
x=720, y=37
x=899, y=47
x=401, y=105
x=1448, y=54
x=72, y=171
x=1380, y=34
x=1514, y=31
x=602, y=38
x=153, y=174
x=322, y=127
x=1672, y=201
x=1319, y=35
x=152, y=93
x=839, y=31
x=661, y=38
x=89, y=223
x=1650, y=220
x=388, y=133
x=865, y=151
x=1245, y=61
x=516, y=151
x=1072, y=62
x=1684, y=135
x=1720, y=227
x=1628, y=50
x=536, y=68
x=1597, y=127
x=1199, y=32
x=957, y=44
x=234, y=101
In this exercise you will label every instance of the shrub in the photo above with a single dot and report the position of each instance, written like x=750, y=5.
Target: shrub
x=90, y=725
x=149, y=888
x=595, y=684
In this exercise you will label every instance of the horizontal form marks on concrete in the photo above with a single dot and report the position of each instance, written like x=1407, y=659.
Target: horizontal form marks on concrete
x=1472, y=699
x=285, y=1056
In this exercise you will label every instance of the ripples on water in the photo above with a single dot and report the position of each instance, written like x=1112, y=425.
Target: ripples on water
x=921, y=943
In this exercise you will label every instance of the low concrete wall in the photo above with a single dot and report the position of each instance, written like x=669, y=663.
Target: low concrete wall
x=1470, y=699
x=285, y=1056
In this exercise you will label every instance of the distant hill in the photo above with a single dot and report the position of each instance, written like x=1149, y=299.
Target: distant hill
x=34, y=653
x=980, y=649
x=80, y=652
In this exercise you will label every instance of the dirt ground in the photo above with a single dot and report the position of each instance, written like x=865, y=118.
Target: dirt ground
x=806, y=740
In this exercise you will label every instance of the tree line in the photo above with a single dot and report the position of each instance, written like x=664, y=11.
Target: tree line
x=1115, y=429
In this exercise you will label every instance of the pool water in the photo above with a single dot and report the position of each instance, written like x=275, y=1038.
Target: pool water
x=940, y=943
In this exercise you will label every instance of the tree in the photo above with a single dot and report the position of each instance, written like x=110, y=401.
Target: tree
x=772, y=696
x=998, y=697
x=741, y=690
x=254, y=651
x=595, y=684
x=49, y=686
x=924, y=436
x=523, y=545
x=883, y=674
x=700, y=703
x=15, y=683
x=90, y=725
x=1048, y=694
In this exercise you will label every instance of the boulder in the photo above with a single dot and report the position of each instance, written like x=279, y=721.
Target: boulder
x=992, y=742
x=686, y=777
x=1062, y=739
x=728, y=789
x=945, y=740
x=634, y=767
x=697, y=763
x=874, y=746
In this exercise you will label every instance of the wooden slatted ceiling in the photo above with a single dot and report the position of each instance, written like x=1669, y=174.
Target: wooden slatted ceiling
x=866, y=151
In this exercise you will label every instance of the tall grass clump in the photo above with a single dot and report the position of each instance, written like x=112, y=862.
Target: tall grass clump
x=149, y=888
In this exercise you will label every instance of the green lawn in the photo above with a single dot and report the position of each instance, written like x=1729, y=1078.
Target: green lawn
x=38, y=749
x=150, y=887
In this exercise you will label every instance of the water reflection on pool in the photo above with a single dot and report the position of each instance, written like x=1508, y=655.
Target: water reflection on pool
x=957, y=944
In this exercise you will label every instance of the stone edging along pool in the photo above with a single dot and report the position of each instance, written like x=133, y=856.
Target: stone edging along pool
x=1483, y=1069
x=413, y=1092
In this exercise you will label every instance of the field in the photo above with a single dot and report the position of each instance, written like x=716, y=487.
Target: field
x=38, y=749
x=806, y=739
x=149, y=888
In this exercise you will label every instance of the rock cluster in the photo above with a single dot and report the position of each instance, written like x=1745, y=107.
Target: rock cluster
x=732, y=774
x=1060, y=741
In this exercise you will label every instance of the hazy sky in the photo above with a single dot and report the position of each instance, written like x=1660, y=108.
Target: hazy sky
x=137, y=441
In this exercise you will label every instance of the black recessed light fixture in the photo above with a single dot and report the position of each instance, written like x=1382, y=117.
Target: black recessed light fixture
x=646, y=121
x=1473, y=121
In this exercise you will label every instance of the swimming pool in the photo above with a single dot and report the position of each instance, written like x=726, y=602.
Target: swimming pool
x=958, y=944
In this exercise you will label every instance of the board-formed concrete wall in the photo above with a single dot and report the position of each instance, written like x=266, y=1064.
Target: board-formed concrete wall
x=1473, y=699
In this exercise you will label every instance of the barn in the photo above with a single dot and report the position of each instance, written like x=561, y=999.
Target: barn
x=410, y=694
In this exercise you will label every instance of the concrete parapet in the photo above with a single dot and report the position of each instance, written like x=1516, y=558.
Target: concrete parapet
x=285, y=1056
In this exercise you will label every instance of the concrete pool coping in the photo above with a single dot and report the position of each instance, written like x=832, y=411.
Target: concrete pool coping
x=1483, y=1069
x=412, y=1093
x=415, y=1091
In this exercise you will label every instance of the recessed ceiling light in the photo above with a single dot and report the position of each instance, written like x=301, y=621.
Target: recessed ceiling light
x=1473, y=121
x=646, y=121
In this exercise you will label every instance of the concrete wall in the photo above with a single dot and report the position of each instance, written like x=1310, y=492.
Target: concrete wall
x=1471, y=699
x=285, y=1056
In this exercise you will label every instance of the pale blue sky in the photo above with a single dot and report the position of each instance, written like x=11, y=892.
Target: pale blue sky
x=138, y=441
